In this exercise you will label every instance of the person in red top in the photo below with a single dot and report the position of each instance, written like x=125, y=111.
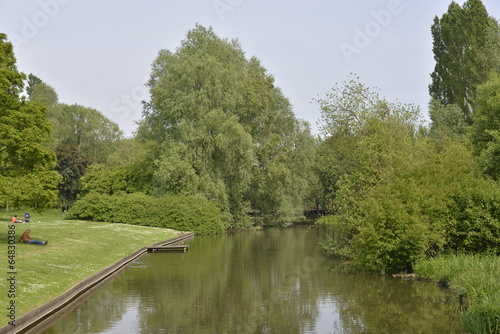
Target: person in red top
x=15, y=220
x=27, y=239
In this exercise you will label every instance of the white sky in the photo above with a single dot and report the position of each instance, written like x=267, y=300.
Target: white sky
x=97, y=53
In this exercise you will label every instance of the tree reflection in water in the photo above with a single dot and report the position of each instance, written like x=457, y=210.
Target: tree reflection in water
x=272, y=281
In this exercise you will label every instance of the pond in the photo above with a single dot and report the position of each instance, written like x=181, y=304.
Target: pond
x=269, y=281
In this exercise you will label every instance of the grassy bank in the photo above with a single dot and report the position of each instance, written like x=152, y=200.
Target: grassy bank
x=477, y=280
x=76, y=250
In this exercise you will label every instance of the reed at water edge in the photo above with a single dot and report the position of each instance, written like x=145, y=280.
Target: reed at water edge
x=476, y=279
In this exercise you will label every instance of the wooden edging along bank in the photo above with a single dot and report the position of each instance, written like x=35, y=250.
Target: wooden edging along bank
x=33, y=320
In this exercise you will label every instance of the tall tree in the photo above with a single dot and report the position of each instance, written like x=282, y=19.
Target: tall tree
x=221, y=127
x=72, y=165
x=447, y=120
x=84, y=127
x=87, y=128
x=33, y=80
x=485, y=130
x=465, y=52
x=348, y=113
x=26, y=164
x=44, y=94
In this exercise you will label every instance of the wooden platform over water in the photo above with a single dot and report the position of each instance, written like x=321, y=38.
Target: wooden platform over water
x=167, y=248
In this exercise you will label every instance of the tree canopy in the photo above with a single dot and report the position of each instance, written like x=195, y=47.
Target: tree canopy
x=465, y=46
x=399, y=196
x=26, y=164
x=225, y=131
x=87, y=128
x=485, y=130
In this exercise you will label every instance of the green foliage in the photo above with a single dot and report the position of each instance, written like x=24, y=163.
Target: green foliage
x=473, y=219
x=369, y=141
x=485, y=317
x=110, y=180
x=406, y=215
x=71, y=165
x=485, y=133
x=349, y=106
x=429, y=202
x=84, y=127
x=284, y=177
x=224, y=132
x=93, y=207
x=340, y=234
x=184, y=213
x=397, y=197
x=33, y=80
x=360, y=129
x=465, y=51
x=37, y=189
x=43, y=94
x=26, y=176
x=126, y=151
x=477, y=280
x=447, y=121
x=127, y=170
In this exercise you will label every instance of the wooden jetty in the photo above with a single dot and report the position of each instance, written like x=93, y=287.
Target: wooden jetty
x=160, y=248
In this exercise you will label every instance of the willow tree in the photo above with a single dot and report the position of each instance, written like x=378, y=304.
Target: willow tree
x=223, y=130
x=26, y=164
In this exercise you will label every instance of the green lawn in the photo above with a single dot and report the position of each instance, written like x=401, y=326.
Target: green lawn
x=76, y=250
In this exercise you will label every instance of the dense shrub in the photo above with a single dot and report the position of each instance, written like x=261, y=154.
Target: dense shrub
x=473, y=220
x=94, y=207
x=184, y=213
x=430, y=200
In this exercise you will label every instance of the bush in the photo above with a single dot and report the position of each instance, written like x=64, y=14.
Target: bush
x=183, y=213
x=424, y=204
x=338, y=241
x=473, y=221
x=94, y=207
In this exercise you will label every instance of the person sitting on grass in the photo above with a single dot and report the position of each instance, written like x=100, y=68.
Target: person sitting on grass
x=15, y=220
x=27, y=239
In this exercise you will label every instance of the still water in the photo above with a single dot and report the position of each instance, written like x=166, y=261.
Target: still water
x=270, y=281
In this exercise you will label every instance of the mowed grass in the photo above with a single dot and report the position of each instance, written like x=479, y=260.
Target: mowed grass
x=76, y=251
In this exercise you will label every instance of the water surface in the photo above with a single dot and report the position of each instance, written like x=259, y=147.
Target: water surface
x=271, y=281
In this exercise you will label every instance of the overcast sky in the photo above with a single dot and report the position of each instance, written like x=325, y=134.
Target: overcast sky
x=97, y=53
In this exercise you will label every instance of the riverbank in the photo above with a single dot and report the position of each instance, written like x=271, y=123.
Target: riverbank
x=275, y=280
x=76, y=251
x=476, y=279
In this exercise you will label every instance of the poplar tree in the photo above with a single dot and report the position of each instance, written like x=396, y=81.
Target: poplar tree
x=463, y=49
